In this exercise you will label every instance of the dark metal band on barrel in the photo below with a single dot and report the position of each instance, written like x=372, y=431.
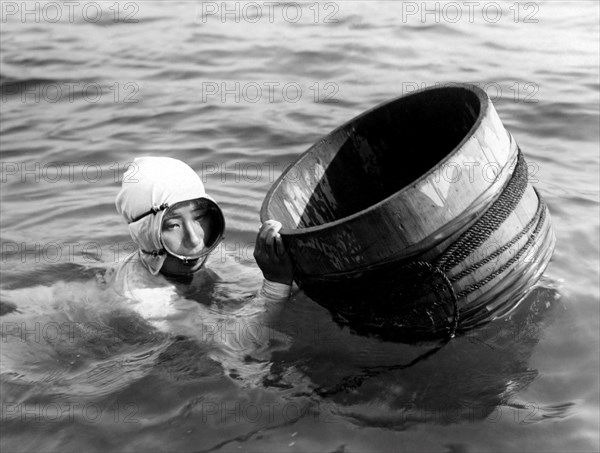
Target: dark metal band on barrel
x=426, y=272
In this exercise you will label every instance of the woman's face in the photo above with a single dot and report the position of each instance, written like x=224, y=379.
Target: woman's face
x=185, y=228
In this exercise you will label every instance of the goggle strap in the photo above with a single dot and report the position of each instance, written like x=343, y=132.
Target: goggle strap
x=153, y=210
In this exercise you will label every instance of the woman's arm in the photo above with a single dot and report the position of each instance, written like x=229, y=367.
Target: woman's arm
x=274, y=262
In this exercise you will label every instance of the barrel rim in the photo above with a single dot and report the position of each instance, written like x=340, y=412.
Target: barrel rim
x=485, y=102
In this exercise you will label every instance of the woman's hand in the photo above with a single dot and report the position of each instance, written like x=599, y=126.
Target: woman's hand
x=270, y=254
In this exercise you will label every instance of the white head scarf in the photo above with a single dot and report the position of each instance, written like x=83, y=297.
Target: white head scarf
x=150, y=186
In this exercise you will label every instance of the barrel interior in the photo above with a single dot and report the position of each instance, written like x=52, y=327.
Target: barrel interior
x=374, y=156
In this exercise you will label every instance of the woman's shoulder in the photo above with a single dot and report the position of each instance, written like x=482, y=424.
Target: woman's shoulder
x=130, y=274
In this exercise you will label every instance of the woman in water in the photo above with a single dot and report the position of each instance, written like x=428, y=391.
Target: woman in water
x=176, y=225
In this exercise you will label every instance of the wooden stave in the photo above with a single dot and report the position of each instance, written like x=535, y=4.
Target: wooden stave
x=339, y=246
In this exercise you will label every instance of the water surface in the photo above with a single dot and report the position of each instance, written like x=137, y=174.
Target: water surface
x=166, y=85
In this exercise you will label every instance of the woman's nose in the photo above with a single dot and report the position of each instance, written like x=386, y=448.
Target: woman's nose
x=194, y=235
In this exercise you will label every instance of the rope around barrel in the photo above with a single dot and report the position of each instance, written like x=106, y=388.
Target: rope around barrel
x=460, y=249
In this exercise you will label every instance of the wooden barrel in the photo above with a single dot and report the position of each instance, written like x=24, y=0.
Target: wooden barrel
x=400, y=184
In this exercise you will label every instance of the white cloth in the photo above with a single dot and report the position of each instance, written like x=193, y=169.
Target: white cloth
x=148, y=183
x=158, y=301
x=275, y=292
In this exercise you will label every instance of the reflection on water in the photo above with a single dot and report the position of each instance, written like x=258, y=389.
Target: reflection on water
x=466, y=379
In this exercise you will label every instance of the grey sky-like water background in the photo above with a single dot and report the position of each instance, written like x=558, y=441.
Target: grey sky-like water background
x=238, y=91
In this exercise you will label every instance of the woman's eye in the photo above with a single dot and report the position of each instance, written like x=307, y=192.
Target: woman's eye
x=172, y=226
